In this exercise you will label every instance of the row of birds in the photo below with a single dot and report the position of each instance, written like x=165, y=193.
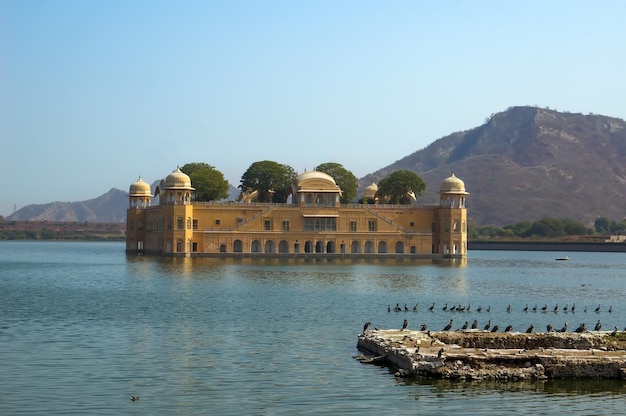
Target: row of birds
x=488, y=327
x=509, y=309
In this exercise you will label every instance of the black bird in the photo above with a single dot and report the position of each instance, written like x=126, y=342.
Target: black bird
x=453, y=308
x=495, y=329
x=367, y=325
x=549, y=328
x=488, y=308
x=526, y=308
x=564, y=329
x=556, y=308
x=398, y=308
x=610, y=309
x=440, y=353
x=406, y=308
x=405, y=324
x=509, y=328
x=447, y=327
x=388, y=308
x=424, y=327
x=469, y=305
x=585, y=310
x=573, y=307
x=508, y=308
x=565, y=308
x=475, y=324
x=486, y=327
x=530, y=329
x=614, y=333
x=432, y=307
x=581, y=328
x=134, y=398
x=535, y=308
x=598, y=326
x=465, y=325
x=416, y=306
x=445, y=308
x=544, y=307
x=598, y=309
x=479, y=309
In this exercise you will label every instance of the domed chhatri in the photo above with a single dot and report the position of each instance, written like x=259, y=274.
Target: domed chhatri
x=313, y=224
x=369, y=192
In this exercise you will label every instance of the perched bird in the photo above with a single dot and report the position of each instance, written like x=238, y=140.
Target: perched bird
x=432, y=307
x=449, y=326
x=367, y=325
x=614, y=333
x=581, y=328
x=405, y=324
x=530, y=329
x=424, y=327
x=465, y=325
x=598, y=326
x=475, y=324
x=494, y=329
x=440, y=353
x=486, y=327
x=564, y=329
x=549, y=328
x=509, y=328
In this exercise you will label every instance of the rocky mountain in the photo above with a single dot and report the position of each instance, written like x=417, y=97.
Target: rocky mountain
x=525, y=163
x=528, y=163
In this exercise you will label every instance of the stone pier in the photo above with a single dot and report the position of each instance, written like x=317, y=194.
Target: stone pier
x=480, y=355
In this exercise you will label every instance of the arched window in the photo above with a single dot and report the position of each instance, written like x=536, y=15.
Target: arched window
x=283, y=246
x=237, y=246
x=319, y=247
x=330, y=247
x=399, y=247
x=355, y=247
x=269, y=246
x=369, y=247
x=255, y=247
x=382, y=246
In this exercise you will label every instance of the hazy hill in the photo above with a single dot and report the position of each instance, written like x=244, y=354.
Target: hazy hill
x=525, y=163
x=528, y=163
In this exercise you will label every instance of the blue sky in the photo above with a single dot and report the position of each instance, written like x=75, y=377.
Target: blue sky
x=95, y=93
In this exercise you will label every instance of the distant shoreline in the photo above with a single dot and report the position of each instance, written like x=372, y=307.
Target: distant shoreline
x=547, y=246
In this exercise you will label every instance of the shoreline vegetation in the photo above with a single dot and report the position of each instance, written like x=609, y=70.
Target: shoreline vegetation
x=108, y=231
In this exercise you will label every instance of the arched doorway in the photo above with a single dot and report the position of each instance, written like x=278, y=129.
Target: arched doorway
x=330, y=247
x=283, y=246
x=355, y=247
x=237, y=246
x=269, y=246
x=369, y=247
x=255, y=247
x=399, y=247
x=382, y=246
x=319, y=247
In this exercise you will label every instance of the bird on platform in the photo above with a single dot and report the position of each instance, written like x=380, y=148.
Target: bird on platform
x=440, y=353
x=581, y=328
x=564, y=329
x=424, y=327
x=405, y=325
x=475, y=324
x=432, y=307
x=486, y=327
x=509, y=328
x=556, y=308
x=495, y=329
x=508, y=308
x=416, y=307
x=465, y=325
x=449, y=326
x=544, y=307
x=598, y=326
x=549, y=328
x=526, y=308
x=530, y=329
x=614, y=333
x=367, y=325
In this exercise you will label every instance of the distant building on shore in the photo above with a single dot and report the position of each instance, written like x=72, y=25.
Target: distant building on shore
x=314, y=224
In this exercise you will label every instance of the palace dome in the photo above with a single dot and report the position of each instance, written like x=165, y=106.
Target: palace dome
x=370, y=191
x=315, y=175
x=452, y=184
x=177, y=180
x=139, y=188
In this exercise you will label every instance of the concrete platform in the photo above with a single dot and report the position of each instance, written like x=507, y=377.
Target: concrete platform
x=481, y=355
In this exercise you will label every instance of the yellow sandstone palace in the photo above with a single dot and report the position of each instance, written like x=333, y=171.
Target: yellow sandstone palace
x=313, y=224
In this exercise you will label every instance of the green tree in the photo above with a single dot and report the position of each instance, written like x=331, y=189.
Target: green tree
x=602, y=225
x=397, y=187
x=209, y=182
x=343, y=177
x=572, y=227
x=548, y=227
x=270, y=179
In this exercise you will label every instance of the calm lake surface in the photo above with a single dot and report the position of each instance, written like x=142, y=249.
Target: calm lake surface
x=83, y=328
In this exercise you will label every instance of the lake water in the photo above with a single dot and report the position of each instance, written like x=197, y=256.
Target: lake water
x=83, y=328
